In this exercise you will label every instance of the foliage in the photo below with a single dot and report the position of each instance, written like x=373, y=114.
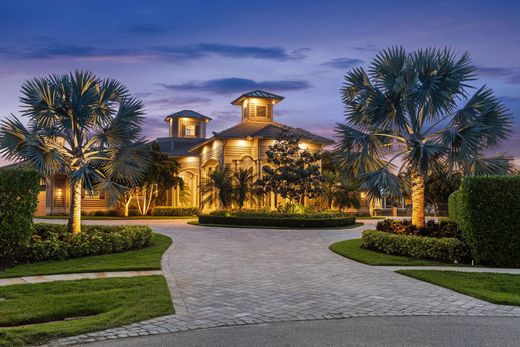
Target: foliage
x=291, y=213
x=33, y=314
x=52, y=241
x=218, y=187
x=439, y=185
x=243, y=186
x=174, y=211
x=402, y=116
x=443, y=249
x=454, y=206
x=18, y=199
x=489, y=216
x=498, y=288
x=295, y=172
x=346, y=193
x=431, y=229
x=85, y=126
x=294, y=209
x=278, y=220
x=352, y=249
x=102, y=213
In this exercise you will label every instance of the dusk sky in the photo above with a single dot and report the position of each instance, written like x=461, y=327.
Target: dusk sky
x=200, y=55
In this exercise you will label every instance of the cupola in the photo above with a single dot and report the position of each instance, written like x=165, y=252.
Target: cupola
x=187, y=124
x=257, y=106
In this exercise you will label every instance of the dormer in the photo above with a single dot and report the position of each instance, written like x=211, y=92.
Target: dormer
x=187, y=124
x=257, y=106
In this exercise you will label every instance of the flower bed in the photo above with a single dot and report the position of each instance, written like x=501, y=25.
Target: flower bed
x=53, y=242
x=432, y=228
x=437, y=248
x=278, y=219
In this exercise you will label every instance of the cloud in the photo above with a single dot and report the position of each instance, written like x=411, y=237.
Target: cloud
x=234, y=85
x=146, y=29
x=366, y=48
x=342, y=63
x=177, y=101
x=46, y=49
x=510, y=75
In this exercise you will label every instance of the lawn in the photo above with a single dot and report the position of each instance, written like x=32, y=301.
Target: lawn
x=143, y=259
x=497, y=288
x=36, y=313
x=118, y=218
x=352, y=249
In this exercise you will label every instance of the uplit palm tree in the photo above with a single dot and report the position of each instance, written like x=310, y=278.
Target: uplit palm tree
x=328, y=186
x=346, y=194
x=218, y=187
x=243, y=188
x=83, y=126
x=403, y=115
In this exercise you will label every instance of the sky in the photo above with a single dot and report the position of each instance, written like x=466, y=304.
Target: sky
x=200, y=55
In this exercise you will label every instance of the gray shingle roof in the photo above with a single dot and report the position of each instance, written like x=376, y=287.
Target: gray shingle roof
x=187, y=114
x=178, y=147
x=257, y=94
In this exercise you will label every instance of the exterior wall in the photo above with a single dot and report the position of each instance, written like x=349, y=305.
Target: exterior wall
x=252, y=113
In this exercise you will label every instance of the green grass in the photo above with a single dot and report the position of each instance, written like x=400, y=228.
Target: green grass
x=352, y=249
x=36, y=313
x=143, y=259
x=355, y=225
x=118, y=218
x=497, y=288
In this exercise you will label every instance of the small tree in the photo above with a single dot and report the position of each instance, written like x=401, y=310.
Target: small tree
x=295, y=173
x=346, y=194
x=218, y=187
x=439, y=185
x=81, y=125
x=243, y=186
x=328, y=187
x=161, y=175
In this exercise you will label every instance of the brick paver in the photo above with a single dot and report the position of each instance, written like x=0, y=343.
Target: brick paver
x=230, y=276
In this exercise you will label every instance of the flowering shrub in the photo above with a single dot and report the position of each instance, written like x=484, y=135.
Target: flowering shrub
x=432, y=228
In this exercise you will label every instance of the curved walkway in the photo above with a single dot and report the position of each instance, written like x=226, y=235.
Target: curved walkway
x=230, y=276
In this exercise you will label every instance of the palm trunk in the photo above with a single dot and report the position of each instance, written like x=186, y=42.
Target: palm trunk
x=418, y=218
x=74, y=225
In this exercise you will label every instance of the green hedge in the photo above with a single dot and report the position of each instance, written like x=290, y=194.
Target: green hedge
x=443, y=249
x=453, y=206
x=18, y=199
x=174, y=211
x=276, y=214
x=53, y=242
x=275, y=221
x=489, y=215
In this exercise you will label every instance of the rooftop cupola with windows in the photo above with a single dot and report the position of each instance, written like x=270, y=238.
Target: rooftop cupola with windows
x=187, y=124
x=257, y=106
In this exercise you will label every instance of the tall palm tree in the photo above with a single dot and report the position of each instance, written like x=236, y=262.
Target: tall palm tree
x=82, y=125
x=412, y=111
x=243, y=185
x=218, y=187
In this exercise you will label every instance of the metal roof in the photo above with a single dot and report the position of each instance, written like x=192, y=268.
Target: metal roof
x=187, y=114
x=257, y=94
x=177, y=147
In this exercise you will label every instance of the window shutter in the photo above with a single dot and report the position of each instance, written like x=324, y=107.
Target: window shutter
x=197, y=131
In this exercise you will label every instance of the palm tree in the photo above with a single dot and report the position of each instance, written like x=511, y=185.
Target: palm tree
x=346, y=194
x=243, y=185
x=218, y=187
x=403, y=115
x=82, y=125
x=328, y=187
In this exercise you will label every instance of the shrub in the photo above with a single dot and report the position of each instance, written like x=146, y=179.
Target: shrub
x=174, y=211
x=432, y=228
x=489, y=216
x=276, y=214
x=276, y=221
x=53, y=242
x=18, y=199
x=443, y=248
x=454, y=206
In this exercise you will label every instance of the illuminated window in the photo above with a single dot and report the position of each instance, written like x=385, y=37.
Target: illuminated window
x=261, y=111
x=189, y=130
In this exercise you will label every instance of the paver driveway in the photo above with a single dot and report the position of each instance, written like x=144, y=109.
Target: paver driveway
x=232, y=276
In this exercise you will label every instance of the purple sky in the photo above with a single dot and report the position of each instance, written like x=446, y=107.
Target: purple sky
x=200, y=55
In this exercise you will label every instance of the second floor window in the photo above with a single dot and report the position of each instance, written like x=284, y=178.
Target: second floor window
x=189, y=130
x=261, y=111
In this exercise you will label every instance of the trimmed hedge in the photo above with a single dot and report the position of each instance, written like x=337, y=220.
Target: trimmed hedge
x=489, y=215
x=174, y=211
x=435, y=248
x=277, y=214
x=53, y=242
x=431, y=229
x=453, y=206
x=275, y=221
x=18, y=200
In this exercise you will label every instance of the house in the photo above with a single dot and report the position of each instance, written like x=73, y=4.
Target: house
x=243, y=145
